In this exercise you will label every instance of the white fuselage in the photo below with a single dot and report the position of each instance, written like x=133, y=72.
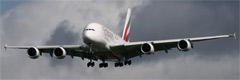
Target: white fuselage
x=99, y=37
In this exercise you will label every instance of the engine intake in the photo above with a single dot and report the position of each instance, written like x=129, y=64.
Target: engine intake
x=184, y=45
x=59, y=53
x=147, y=48
x=33, y=53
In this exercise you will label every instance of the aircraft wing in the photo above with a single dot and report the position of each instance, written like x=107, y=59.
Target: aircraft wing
x=132, y=49
x=71, y=50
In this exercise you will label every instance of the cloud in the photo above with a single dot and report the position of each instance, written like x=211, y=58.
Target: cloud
x=40, y=22
x=64, y=35
x=190, y=19
x=48, y=22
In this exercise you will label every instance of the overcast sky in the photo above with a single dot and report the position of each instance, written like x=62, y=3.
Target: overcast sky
x=62, y=22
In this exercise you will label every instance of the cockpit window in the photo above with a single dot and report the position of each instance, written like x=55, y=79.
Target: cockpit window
x=89, y=30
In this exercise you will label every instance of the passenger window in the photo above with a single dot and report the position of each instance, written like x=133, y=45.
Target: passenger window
x=89, y=30
x=92, y=29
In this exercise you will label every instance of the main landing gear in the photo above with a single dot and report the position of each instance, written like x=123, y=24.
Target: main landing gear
x=103, y=64
x=120, y=64
x=128, y=62
x=90, y=64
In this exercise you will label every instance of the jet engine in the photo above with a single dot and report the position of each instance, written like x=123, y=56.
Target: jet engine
x=147, y=48
x=59, y=53
x=184, y=45
x=33, y=53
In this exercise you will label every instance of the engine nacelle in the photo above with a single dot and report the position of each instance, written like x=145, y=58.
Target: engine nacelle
x=59, y=53
x=184, y=45
x=147, y=48
x=33, y=53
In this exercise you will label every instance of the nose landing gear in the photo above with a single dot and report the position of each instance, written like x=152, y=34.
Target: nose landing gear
x=91, y=63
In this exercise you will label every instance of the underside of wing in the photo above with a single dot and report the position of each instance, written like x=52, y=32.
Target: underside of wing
x=58, y=51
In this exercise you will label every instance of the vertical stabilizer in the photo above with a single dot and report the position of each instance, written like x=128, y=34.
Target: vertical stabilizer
x=127, y=25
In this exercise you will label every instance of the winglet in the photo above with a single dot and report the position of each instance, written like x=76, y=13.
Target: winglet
x=233, y=35
x=5, y=46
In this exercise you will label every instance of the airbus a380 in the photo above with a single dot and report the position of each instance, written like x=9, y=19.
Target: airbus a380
x=102, y=44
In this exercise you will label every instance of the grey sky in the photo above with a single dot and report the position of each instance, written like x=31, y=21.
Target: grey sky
x=9, y=4
x=55, y=22
x=189, y=19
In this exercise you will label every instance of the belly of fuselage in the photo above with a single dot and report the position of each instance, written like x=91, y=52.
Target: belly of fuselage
x=107, y=56
x=103, y=53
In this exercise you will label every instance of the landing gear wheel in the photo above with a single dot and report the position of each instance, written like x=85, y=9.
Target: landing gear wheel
x=120, y=64
x=116, y=64
x=129, y=62
x=125, y=62
x=90, y=64
x=103, y=65
x=100, y=65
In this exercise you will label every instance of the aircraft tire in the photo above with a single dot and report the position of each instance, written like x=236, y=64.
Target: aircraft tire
x=100, y=65
x=129, y=62
x=120, y=64
x=105, y=64
x=92, y=64
x=116, y=64
x=125, y=62
x=88, y=64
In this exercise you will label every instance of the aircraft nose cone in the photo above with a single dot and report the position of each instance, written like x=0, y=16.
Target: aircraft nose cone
x=92, y=33
x=88, y=37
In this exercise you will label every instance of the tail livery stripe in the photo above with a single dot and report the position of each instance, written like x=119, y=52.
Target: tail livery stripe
x=127, y=25
x=127, y=29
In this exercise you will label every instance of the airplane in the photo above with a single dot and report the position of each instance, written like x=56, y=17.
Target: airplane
x=104, y=45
